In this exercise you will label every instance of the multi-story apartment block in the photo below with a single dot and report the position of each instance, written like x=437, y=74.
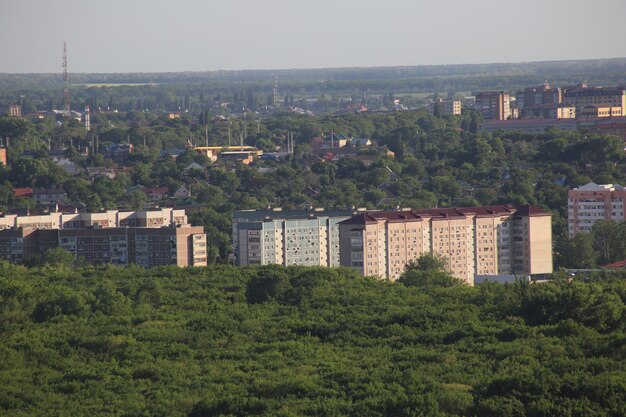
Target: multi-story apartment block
x=582, y=96
x=15, y=110
x=493, y=105
x=539, y=96
x=445, y=107
x=493, y=240
x=548, y=111
x=147, y=238
x=291, y=237
x=599, y=111
x=592, y=202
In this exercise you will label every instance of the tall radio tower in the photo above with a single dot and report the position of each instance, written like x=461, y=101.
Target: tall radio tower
x=275, y=92
x=66, y=84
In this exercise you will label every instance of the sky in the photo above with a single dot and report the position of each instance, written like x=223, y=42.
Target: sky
x=196, y=35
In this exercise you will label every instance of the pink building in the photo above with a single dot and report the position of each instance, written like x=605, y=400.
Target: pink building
x=592, y=202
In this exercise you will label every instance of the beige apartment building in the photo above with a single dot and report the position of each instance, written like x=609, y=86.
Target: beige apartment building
x=148, y=238
x=493, y=105
x=445, y=107
x=493, y=240
x=592, y=202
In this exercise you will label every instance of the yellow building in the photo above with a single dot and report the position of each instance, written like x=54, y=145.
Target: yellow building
x=493, y=240
x=595, y=111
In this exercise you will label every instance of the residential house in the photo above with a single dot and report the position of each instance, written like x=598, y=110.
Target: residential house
x=182, y=192
x=47, y=196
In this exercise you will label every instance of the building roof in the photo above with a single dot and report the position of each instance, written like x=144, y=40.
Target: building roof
x=592, y=186
x=394, y=216
x=616, y=265
x=531, y=211
x=22, y=192
x=49, y=191
x=371, y=217
x=360, y=219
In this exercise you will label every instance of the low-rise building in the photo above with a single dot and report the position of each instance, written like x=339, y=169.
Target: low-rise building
x=600, y=111
x=47, y=196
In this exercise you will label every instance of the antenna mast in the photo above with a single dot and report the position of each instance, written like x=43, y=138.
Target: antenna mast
x=275, y=89
x=66, y=84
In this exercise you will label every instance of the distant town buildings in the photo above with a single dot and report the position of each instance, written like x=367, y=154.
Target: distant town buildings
x=147, y=238
x=601, y=125
x=591, y=202
x=583, y=96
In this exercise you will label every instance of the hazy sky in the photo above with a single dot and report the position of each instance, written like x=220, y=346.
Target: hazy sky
x=195, y=35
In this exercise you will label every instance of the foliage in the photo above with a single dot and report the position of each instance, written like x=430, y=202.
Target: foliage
x=271, y=340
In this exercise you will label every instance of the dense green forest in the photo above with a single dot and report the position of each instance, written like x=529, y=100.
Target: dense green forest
x=306, y=341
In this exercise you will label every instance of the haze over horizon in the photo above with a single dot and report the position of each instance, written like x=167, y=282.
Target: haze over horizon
x=192, y=35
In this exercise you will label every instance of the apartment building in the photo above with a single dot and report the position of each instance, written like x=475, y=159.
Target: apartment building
x=442, y=107
x=592, y=202
x=290, y=237
x=604, y=97
x=493, y=240
x=548, y=111
x=147, y=238
x=539, y=96
x=600, y=111
x=493, y=105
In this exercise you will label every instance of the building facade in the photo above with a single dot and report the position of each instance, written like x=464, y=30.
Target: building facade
x=493, y=105
x=592, y=202
x=445, y=107
x=147, y=238
x=291, y=237
x=539, y=96
x=582, y=96
x=494, y=240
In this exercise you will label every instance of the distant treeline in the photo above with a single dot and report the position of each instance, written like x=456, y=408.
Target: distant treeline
x=425, y=78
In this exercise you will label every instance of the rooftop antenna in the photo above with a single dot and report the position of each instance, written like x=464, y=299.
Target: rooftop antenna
x=229, y=123
x=66, y=84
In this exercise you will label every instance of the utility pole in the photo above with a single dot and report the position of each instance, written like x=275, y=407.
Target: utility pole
x=229, y=123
